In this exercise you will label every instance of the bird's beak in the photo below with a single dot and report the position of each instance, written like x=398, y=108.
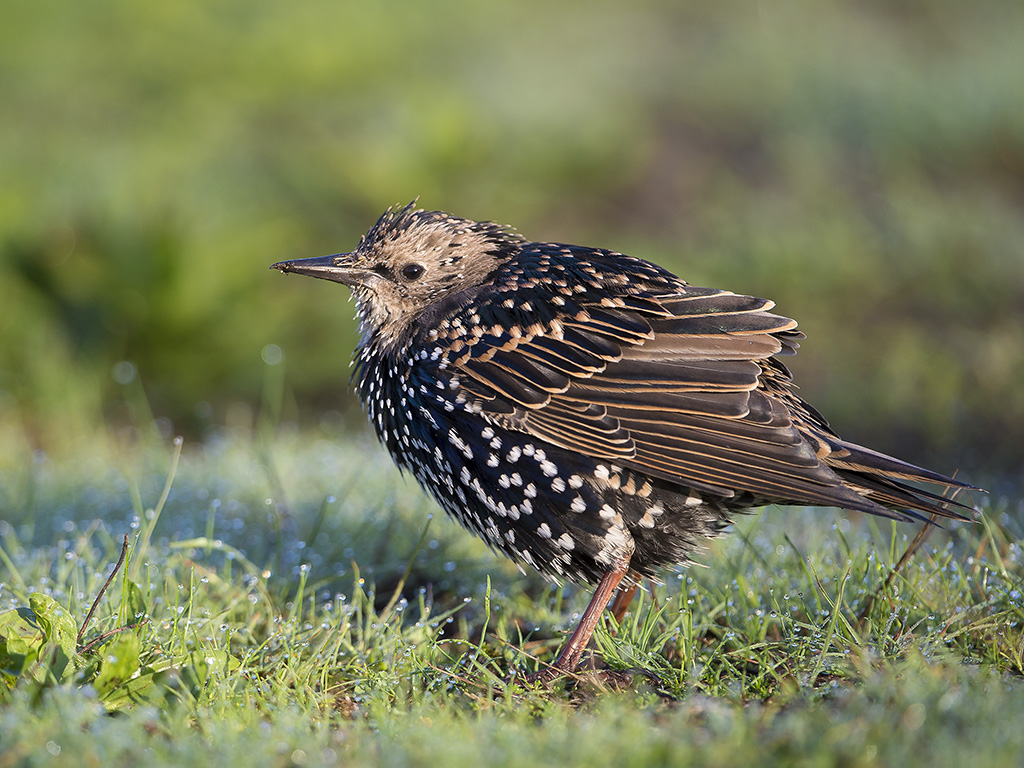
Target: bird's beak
x=337, y=268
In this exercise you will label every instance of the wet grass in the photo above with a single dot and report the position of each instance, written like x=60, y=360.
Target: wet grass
x=291, y=602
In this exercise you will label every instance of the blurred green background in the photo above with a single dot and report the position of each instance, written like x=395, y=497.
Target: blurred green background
x=862, y=163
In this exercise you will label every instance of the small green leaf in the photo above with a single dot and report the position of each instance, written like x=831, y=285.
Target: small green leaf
x=150, y=687
x=120, y=663
x=55, y=621
x=21, y=641
x=59, y=628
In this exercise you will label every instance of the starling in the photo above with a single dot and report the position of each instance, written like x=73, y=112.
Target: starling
x=587, y=413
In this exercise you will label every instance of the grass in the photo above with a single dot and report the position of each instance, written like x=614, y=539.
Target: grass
x=292, y=592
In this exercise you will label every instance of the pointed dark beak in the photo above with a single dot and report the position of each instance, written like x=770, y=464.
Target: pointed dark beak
x=337, y=268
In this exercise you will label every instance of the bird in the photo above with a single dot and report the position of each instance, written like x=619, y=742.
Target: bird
x=587, y=413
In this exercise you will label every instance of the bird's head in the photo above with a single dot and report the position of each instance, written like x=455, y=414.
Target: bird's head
x=410, y=260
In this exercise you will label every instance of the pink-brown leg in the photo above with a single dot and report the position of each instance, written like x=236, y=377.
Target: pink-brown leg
x=624, y=597
x=569, y=658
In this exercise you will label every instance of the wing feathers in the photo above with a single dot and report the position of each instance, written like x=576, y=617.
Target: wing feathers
x=686, y=387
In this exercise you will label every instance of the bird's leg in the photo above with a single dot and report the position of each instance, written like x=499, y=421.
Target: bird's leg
x=569, y=658
x=624, y=597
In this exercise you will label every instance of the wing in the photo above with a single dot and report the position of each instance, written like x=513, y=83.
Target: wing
x=679, y=382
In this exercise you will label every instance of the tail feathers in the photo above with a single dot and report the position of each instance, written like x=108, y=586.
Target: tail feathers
x=879, y=478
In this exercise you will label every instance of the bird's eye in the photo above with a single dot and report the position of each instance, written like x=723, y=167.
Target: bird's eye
x=412, y=271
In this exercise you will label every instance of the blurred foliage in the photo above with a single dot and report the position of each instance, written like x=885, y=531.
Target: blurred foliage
x=860, y=163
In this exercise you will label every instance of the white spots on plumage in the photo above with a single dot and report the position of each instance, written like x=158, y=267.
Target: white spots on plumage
x=517, y=479
x=578, y=505
x=487, y=433
x=527, y=556
x=693, y=500
x=491, y=531
x=558, y=485
x=426, y=414
x=575, y=481
x=647, y=521
x=526, y=506
x=465, y=477
x=514, y=453
x=455, y=439
x=565, y=542
x=496, y=443
x=544, y=531
x=601, y=472
x=607, y=513
x=617, y=543
x=504, y=481
x=548, y=468
x=493, y=460
x=528, y=449
x=530, y=491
